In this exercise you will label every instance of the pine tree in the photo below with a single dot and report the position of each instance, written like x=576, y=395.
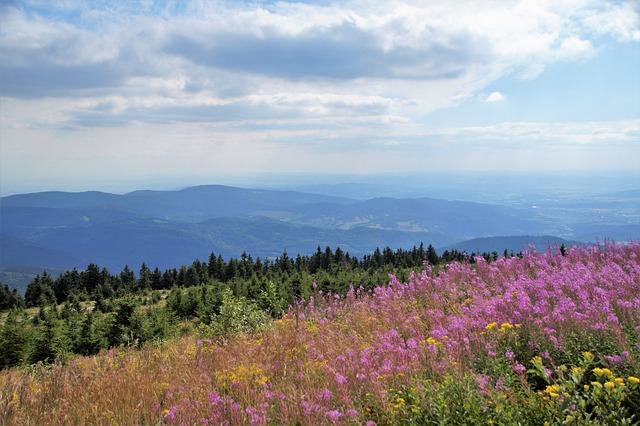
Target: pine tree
x=144, y=279
x=88, y=342
x=43, y=350
x=120, y=332
x=432, y=255
x=13, y=341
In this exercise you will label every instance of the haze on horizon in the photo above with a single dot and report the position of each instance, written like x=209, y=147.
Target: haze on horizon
x=185, y=91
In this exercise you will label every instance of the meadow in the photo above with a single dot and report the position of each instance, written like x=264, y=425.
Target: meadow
x=547, y=338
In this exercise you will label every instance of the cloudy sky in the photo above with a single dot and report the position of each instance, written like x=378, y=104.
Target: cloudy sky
x=136, y=90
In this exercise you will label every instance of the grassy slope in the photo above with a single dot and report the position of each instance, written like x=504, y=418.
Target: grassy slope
x=434, y=347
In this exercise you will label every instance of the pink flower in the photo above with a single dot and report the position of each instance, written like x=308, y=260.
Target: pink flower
x=519, y=368
x=352, y=413
x=371, y=423
x=340, y=379
x=214, y=398
x=325, y=394
x=333, y=415
x=171, y=414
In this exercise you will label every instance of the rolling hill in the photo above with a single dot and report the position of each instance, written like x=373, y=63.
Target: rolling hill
x=57, y=230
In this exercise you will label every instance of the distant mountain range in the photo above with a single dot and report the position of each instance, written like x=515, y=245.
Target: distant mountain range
x=58, y=230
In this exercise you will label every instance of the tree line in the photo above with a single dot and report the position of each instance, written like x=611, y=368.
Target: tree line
x=84, y=311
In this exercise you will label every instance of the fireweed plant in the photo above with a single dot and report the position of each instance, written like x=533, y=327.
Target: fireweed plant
x=548, y=338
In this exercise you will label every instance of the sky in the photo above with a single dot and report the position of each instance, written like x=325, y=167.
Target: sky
x=133, y=91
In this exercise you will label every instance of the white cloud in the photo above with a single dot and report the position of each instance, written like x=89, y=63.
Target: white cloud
x=495, y=97
x=250, y=74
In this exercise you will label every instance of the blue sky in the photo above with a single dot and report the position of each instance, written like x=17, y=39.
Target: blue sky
x=98, y=91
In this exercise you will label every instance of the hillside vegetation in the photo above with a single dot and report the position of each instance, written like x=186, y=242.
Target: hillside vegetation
x=543, y=338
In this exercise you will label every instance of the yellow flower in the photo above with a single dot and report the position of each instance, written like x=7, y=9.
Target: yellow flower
x=633, y=379
x=609, y=385
x=619, y=381
x=431, y=341
x=312, y=327
x=491, y=326
x=586, y=388
x=552, y=390
x=602, y=372
x=596, y=384
x=577, y=371
x=399, y=403
x=588, y=356
x=505, y=327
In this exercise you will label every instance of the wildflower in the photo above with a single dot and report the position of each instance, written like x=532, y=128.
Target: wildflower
x=325, y=394
x=633, y=379
x=505, y=326
x=491, y=326
x=510, y=355
x=519, y=368
x=431, y=341
x=170, y=414
x=214, y=398
x=412, y=343
x=619, y=381
x=399, y=403
x=586, y=388
x=333, y=415
x=588, y=356
x=553, y=391
x=609, y=385
x=614, y=359
x=340, y=379
x=370, y=423
x=352, y=413
x=596, y=384
x=602, y=372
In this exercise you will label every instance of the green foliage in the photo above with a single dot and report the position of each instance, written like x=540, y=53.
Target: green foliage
x=15, y=334
x=459, y=400
x=40, y=291
x=237, y=315
x=10, y=299
x=122, y=323
x=582, y=394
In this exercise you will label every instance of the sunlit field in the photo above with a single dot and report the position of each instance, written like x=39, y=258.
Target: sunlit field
x=542, y=338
